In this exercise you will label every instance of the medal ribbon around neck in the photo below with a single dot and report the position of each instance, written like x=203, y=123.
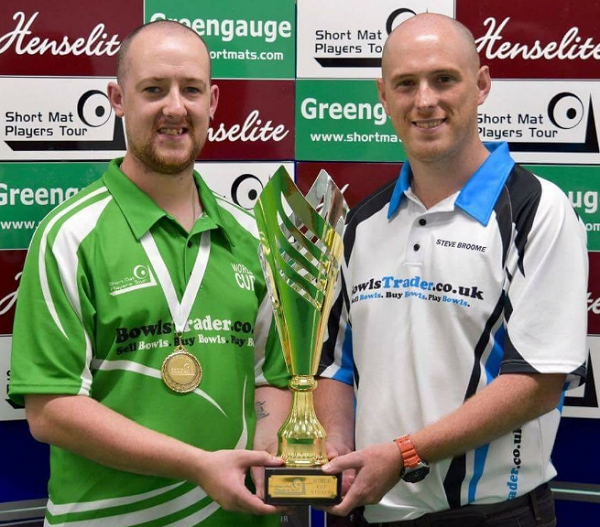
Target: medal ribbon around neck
x=181, y=371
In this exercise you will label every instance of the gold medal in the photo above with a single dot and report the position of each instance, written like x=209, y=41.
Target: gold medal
x=181, y=371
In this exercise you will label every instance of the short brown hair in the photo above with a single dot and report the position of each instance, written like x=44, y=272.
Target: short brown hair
x=167, y=24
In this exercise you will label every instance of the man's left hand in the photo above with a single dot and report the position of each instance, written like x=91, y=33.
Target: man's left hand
x=337, y=448
x=258, y=473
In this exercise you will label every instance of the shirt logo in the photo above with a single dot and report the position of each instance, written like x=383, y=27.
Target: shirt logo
x=244, y=278
x=400, y=288
x=140, y=277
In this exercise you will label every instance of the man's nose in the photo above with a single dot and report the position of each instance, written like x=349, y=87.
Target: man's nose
x=174, y=104
x=425, y=97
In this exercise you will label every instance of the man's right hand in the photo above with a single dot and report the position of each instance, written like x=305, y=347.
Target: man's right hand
x=222, y=475
x=84, y=426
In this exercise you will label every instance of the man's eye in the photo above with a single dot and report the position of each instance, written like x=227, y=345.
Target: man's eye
x=192, y=89
x=445, y=79
x=152, y=89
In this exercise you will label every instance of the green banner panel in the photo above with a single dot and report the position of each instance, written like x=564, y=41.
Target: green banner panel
x=582, y=185
x=247, y=40
x=29, y=191
x=343, y=120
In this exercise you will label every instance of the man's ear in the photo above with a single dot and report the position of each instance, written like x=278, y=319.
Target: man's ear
x=381, y=91
x=115, y=96
x=214, y=100
x=484, y=84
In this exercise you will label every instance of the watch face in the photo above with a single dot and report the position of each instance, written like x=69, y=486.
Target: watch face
x=412, y=476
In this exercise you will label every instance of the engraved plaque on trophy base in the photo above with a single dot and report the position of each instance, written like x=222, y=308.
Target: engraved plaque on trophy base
x=301, y=486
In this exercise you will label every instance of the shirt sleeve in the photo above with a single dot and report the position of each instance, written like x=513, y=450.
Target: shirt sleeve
x=546, y=304
x=51, y=348
x=269, y=366
x=337, y=360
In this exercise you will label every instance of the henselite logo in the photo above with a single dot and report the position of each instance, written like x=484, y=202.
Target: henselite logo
x=11, y=263
x=8, y=301
x=593, y=304
x=593, y=295
x=593, y=308
x=253, y=130
x=140, y=278
x=571, y=46
x=257, y=126
x=97, y=43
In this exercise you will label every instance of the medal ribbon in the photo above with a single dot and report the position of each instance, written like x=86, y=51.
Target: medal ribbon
x=180, y=312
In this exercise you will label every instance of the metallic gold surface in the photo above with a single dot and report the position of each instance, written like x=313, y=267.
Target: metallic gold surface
x=181, y=371
x=301, y=251
x=323, y=486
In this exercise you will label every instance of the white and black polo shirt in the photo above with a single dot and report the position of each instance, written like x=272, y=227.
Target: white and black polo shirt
x=436, y=303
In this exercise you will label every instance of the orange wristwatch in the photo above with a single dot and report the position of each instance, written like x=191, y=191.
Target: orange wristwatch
x=415, y=469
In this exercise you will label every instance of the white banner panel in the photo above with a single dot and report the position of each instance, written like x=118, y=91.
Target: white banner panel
x=58, y=119
x=240, y=183
x=583, y=401
x=343, y=39
x=7, y=410
x=544, y=121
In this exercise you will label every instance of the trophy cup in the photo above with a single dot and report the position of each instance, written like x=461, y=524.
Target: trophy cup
x=300, y=252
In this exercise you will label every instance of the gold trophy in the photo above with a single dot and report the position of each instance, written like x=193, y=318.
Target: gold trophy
x=300, y=251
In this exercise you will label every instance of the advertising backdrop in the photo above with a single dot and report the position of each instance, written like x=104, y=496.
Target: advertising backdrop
x=297, y=88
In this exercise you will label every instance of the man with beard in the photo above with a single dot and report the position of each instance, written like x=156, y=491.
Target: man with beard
x=462, y=313
x=136, y=347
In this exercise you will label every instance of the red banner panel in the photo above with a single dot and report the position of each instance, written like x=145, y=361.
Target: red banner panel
x=357, y=180
x=594, y=295
x=11, y=263
x=536, y=39
x=254, y=121
x=67, y=38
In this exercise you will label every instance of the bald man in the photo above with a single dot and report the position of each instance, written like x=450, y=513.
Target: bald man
x=135, y=349
x=462, y=313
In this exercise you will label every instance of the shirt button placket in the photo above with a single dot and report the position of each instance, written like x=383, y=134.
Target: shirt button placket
x=414, y=249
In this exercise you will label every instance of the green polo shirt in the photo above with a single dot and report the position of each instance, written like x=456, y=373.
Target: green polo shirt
x=92, y=320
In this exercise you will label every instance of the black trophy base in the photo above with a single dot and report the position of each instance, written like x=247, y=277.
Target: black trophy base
x=301, y=486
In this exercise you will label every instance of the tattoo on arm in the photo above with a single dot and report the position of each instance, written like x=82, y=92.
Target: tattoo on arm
x=261, y=412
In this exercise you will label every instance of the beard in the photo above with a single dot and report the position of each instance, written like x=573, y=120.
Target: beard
x=171, y=163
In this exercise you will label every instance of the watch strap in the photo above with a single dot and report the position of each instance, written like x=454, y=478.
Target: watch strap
x=408, y=452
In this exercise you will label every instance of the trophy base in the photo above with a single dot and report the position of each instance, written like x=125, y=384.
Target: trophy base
x=301, y=486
